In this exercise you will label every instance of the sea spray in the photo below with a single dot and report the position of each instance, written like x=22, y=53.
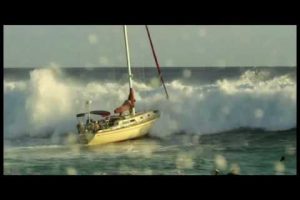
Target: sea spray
x=229, y=104
x=47, y=103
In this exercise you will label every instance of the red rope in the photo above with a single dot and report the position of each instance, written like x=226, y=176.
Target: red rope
x=156, y=61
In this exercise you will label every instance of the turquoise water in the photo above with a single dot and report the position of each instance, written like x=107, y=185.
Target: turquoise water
x=248, y=152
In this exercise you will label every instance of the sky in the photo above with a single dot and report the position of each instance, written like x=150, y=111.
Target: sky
x=175, y=45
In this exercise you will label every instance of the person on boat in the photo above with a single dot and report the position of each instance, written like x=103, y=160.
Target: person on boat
x=96, y=126
x=127, y=105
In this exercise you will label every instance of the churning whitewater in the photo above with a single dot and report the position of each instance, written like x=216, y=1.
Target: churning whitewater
x=46, y=103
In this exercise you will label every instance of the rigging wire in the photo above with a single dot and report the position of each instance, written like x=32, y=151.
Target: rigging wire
x=156, y=62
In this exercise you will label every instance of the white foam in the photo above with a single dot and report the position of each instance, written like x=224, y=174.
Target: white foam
x=48, y=102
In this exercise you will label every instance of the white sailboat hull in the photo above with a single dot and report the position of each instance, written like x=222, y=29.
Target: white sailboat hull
x=141, y=125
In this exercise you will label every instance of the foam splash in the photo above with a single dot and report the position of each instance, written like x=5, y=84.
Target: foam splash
x=49, y=101
x=229, y=104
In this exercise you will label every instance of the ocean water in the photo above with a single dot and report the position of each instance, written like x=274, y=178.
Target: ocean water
x=240, y=119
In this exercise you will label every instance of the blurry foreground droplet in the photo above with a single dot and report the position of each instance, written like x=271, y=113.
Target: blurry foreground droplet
x=71, y=139
x=279, y=167
x=235, y=168
x=258, y=113
x=186, y=73
x=220, y=162
x=71, y=171
x=202, y=32
x=147, y=151
x=184, y=161
x=154, y=82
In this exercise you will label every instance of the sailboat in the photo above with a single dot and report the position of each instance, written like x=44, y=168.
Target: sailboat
x=125, y=123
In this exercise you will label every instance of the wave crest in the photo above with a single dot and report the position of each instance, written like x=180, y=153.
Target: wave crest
x=48, y=102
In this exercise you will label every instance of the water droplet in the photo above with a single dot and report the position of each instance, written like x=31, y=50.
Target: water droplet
x=186, y=73
x=184, y=161
x=71, y=171
x=220, y=162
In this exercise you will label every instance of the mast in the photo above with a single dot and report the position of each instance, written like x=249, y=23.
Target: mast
x=128, y=65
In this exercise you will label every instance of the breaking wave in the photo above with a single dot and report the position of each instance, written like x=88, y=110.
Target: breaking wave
x=47, y=103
